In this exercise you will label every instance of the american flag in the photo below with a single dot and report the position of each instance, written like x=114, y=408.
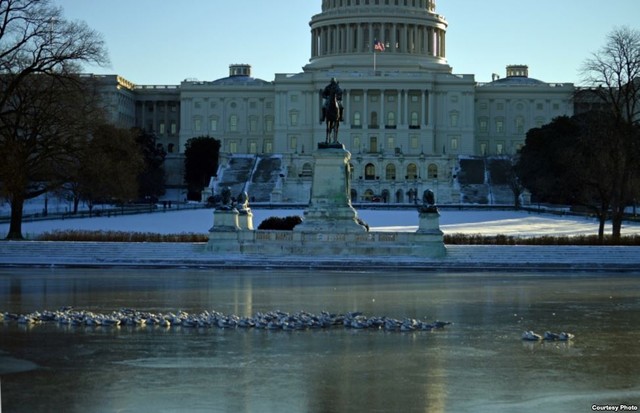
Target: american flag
x=378, y=45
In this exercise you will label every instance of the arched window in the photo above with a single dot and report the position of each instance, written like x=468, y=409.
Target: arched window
x=374, y=120
x=357, y=121
x=307, y=170
x=368, y=195
x=399, y=196
x=390, y=172
x=370, y=172
x=414, y=120
x=432, y=171
x=391, y=119
x=412, y=171
x=385, y=195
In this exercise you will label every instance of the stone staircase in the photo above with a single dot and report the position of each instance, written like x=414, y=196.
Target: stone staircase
x=235, y=174
x=264, y=178
x=458, y=257
x=484, y=181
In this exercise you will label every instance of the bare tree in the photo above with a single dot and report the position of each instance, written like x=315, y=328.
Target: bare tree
x=45, y=107
x=615, y=70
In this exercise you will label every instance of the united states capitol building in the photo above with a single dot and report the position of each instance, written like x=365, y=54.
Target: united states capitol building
x=410, y=123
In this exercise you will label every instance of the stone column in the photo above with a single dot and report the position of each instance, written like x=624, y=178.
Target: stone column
x=394, y=37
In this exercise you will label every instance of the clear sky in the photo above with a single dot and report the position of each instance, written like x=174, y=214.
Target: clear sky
x=165, y=42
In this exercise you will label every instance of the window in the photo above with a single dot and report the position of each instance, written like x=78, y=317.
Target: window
x=539, y=106
x=268, y=146
x=413, y=141
x=197, y=104
x=453, y=143
x=356, y=142
x=374, y=120
x=253, y=124
x=293, y=118
x=294, y=98
x=293, y=142
x=173, y=128
x=307, y=170
x=391, y=142
x=253, y=146
x=453, y=119
x=499, y=125
x=390, y=172
x=373, y=144
x=414, y=120
x=412, y=171
x=432, y=171
x=391, y=119
x=357, y=121
x=483, y=125
x=161, y=128
x=520, y=124
x=233, y=147
x=233, y=123
x=197, y=124
x=500, y=106
x=483, y=148
x=370, y=172
x=213, y=124
x=500, y=148
x=268, y=124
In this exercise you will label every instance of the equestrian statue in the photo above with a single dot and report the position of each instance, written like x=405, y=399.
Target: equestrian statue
x=332, y=110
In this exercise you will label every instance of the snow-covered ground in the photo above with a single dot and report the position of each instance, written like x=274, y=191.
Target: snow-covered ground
x=486, y=222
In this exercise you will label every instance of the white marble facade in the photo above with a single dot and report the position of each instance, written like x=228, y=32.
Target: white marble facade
x=408, y=117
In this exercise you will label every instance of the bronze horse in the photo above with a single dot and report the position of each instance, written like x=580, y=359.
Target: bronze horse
x=332, y=119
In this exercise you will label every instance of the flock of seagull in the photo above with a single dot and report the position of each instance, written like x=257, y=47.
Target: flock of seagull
x=272, y=320
x=548, y=336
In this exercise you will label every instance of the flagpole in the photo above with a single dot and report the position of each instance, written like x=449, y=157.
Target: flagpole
x=374, y=61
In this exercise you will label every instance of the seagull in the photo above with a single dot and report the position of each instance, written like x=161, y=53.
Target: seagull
x=530, y=336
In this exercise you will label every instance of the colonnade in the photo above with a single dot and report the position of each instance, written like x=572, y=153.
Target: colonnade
x=402, y=106
x=359, y=37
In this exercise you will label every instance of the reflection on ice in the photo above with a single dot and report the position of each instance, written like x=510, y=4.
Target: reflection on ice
x=479, y=364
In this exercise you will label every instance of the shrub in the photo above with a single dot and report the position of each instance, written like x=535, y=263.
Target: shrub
x=120, y=236
x=280, y=223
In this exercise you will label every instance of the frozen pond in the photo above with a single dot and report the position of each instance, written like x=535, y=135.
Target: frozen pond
x=478, y=364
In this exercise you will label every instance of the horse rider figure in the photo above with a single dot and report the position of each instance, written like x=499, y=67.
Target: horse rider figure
x=332, y=88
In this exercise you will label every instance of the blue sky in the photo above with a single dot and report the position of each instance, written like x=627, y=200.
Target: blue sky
x=165, y=42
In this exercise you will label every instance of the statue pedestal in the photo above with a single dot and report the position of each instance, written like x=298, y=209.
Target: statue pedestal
x=330, y=207
x=225, y=220
x=223, y=236
x=429, y=222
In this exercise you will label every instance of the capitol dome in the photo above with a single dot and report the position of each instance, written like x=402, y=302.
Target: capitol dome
x=411, y=33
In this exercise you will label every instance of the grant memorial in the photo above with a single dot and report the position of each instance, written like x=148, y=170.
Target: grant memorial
x=331, y=227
